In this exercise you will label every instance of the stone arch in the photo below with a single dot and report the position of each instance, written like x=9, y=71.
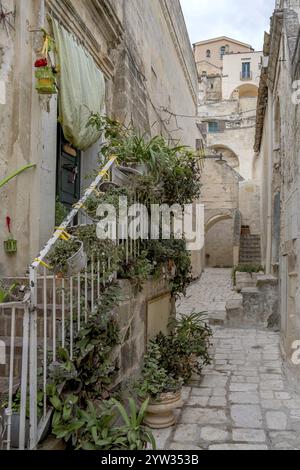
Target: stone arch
x=216, y=219
x=229, y=155
x=219, y=240
x=247, y=90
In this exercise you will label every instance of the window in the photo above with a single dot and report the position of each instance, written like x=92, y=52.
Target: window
x=246, y=70
x=208, y=53
x=213, y=127
x=222, y=51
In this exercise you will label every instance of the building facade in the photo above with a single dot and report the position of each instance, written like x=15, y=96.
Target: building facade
x=227, y=109
x=277, y=140
x=142, y=50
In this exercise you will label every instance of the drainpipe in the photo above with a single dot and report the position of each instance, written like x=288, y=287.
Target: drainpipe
x=270, y=179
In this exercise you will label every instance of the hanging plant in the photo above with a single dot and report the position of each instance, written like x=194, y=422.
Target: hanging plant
x=45, y=72
x=10, y=245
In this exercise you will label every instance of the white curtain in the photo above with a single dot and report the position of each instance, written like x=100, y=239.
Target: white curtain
x=81, y=89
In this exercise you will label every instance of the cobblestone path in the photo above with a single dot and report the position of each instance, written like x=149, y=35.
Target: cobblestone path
x=243, y=400
x=210, y=294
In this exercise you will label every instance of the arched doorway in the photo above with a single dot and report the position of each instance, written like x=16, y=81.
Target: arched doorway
x=247, y=90
x=228, y=155
x=219, y=241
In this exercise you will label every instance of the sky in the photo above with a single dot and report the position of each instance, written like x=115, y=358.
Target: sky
x=243, y=20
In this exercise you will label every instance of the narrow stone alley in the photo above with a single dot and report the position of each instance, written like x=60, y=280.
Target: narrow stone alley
x=243, y=400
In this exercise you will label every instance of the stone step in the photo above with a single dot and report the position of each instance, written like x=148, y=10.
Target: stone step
x=217, y=318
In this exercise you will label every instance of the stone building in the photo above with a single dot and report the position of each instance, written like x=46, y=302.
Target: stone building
x=143, y=53
x=228, y=73
x=277, y=141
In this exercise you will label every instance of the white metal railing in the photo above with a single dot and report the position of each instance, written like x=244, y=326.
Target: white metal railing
x=13, y=377
x=53, y=312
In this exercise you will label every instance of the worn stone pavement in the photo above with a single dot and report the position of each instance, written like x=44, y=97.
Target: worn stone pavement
x=210, y=295
x=243, y=400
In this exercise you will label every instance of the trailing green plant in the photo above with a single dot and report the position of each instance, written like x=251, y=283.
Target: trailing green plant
x=246, y=268
x=111, y=197
x=61, y=212
x=106, y=252
x=180, y=179
x=137, y=270
x=133, y=148
x=186, y=349
x=155, y=380
x=61, y=253
x=16, y=403
x=10, y=293
x=162, y=252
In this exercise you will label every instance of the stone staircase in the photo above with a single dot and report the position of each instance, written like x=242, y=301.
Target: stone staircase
x=250, y=249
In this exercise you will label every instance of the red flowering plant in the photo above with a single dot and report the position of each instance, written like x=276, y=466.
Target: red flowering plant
x=41, y=63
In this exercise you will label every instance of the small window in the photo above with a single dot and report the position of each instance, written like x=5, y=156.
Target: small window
x=208, y=53
x=222, y=51
x=213, y=127
x=246, y=70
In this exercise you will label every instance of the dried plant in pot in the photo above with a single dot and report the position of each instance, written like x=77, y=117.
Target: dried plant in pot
x=162, y=390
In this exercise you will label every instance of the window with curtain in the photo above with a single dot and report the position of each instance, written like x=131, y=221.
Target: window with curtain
x=81, y=90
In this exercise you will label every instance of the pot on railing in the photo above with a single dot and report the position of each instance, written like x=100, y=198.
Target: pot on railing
x=74, y=265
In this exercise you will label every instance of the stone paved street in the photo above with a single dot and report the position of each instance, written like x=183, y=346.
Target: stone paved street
x=242, y=400
x=210, y=294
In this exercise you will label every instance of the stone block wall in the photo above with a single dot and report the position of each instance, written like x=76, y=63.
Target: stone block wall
x=257, y=307
x=132, y=315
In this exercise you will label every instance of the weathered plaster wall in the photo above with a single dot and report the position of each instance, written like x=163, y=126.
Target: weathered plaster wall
x=279, y=151
x=250, y=206
x=156, y=70
x=219, y=245
x=220, y=196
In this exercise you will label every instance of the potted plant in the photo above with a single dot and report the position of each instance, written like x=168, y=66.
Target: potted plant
x=45, y=84
x=14, y=412
x=162, y=390
x=68, y=257
x=185, y=351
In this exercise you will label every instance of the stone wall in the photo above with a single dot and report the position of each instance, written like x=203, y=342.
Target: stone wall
x=278, y=141
x=257, y=307
x=134, y=323
x=219, y=245
x=220, y=196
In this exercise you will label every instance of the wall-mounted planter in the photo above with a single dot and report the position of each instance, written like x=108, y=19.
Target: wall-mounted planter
x=10, y=246
x=45, y=81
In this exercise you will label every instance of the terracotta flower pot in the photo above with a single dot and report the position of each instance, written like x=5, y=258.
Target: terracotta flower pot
x=160, y=413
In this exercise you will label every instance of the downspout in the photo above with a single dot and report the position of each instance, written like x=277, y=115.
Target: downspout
x=270, y=179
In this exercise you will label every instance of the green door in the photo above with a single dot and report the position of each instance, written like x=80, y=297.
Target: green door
x=68, y=172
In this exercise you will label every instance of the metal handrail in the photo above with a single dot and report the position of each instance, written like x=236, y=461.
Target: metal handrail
x=68, y=220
